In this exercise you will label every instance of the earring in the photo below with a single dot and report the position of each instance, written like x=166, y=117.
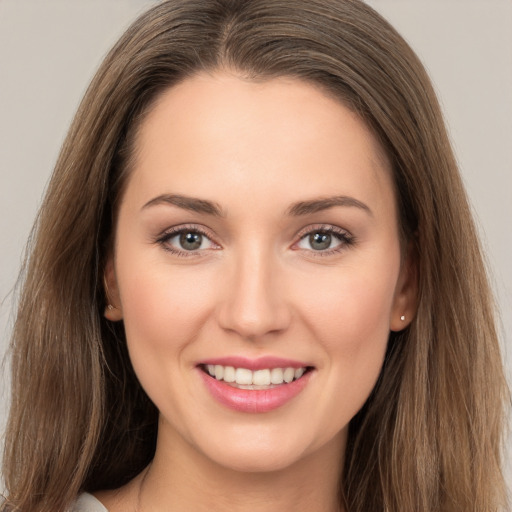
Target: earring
x=110, y=307
x=402, y=318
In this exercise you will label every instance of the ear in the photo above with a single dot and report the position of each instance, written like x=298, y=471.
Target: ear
x=113, y=310
x=406, y=293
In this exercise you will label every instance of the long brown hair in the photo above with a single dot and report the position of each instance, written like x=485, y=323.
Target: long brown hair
x=428, y=439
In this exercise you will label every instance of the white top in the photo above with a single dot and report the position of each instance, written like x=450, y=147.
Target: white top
x=87, y=503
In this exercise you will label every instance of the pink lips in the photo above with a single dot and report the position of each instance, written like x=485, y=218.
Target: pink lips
x=255, y=364
x=257, y=400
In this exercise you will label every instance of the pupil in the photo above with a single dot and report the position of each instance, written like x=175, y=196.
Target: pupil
x=190, y=241
x=320, y=241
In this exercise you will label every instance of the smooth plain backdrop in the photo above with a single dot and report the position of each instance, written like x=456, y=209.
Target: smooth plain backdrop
x=49, y=50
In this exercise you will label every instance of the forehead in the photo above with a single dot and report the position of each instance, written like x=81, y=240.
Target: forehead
x=258, y=136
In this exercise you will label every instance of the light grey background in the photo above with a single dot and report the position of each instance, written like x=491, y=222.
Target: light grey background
x=49, y=50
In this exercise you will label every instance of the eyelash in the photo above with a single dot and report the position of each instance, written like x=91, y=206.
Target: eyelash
x=178, y=230
x=345, y=238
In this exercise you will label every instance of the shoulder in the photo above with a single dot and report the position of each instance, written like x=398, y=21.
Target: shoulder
x=87, y=503
x=84, y=503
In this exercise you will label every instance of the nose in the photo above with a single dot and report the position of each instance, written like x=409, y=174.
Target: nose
x=254, y=301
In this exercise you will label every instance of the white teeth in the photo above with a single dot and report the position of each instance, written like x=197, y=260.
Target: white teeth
x=261, y=377
x=276, y=376
x=288, y=374
x=219, y=372
x=246, y=379
x=299, y=372
x=243, y=376
x=229, y=374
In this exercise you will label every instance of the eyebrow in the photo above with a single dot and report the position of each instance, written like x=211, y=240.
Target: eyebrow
x=297, y=209
x=187, y=203
x=324, y=203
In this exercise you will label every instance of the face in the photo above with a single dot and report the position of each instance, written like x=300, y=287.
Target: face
x=257, y=268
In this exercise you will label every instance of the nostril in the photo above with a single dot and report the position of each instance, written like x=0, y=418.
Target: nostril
x=252, y=323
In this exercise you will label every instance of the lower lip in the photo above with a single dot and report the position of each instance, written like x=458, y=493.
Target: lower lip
x=254, y=400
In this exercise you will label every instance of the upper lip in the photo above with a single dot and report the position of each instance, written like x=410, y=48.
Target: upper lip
x=259, y=363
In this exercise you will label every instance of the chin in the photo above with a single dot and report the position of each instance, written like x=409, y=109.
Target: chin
x=248, y=460
x=268, y=451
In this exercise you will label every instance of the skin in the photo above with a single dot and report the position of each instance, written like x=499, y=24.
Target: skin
x=255, y=287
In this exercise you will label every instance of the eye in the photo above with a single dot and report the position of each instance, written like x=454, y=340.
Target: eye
x=328, y=239
x=319, y=241
x=186, y=240
x=189, y=240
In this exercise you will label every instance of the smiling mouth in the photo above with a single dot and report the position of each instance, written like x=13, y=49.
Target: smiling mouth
x=243, y=378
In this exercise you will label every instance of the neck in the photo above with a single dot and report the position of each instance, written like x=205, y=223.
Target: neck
x=181, y=479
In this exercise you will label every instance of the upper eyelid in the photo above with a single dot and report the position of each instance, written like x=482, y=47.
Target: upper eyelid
x=174, y=230
x=169, y=233
x=206, y=231
x=163, y=240
x=330, y=228
x=203, y=230
x=344, y=236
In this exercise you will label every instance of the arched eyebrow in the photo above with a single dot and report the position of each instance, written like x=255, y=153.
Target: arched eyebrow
x=297, y=209
x=324, y=203
x=187, y=203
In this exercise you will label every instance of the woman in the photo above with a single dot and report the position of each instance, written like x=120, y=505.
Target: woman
x=255, y=282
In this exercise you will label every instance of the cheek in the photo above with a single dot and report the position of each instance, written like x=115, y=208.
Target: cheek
x=350, y=320
x=351, y=309
x=163, y=308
